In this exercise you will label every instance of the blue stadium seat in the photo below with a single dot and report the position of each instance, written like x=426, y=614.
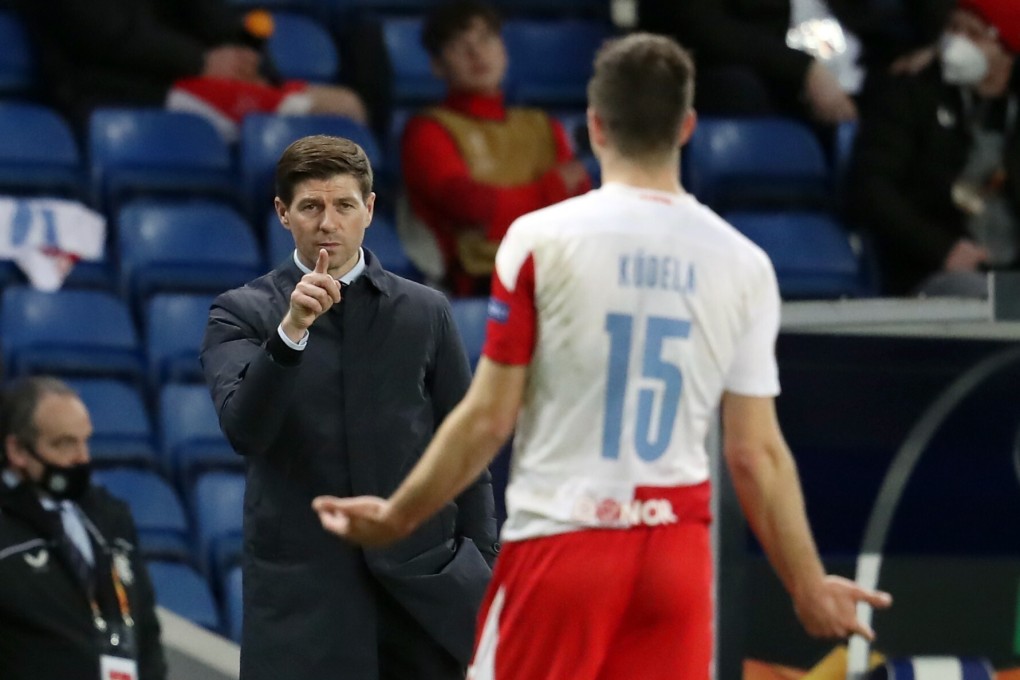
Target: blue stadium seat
x=174, y=327
x=471, y=316
x=121, y=428
x=134, y=152
x=38, y=153
x=846, y=135
x=193, y=246
x=813, y=255
x=264, y=138
x=233, y=608
x=190, y=437
x=302, y=49
x=162, y=524
x=69, y=332
x=217, y=504
x=17, y=58
x=757, y=163
x=551, y=60
x=382, y=239
x=413, y=80
x=183, y=591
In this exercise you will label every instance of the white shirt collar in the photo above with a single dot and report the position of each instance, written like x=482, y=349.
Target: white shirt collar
x=347, y=278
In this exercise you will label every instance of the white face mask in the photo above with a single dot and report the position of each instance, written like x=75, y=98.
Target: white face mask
x=963, y=62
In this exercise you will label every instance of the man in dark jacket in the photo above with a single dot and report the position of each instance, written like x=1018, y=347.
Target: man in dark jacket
x=753, y=59
x=326, y=391
x=132, y=52
x=75, y=598
x=936, y=176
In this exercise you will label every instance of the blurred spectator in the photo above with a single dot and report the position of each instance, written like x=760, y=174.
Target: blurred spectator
x=75, y=596
x=936, y=176
x=805, y=58
x=472, y=165
x=135, y=52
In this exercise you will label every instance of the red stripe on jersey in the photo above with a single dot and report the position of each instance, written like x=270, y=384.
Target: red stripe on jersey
x=511, y=331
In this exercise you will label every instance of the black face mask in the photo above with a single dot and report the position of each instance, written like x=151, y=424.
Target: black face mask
x=63, y=483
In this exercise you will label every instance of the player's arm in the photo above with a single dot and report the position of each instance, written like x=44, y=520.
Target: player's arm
x=462, y=448
x=765, y=478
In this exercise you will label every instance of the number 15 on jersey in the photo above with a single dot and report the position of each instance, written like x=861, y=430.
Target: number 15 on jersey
x=649, y=444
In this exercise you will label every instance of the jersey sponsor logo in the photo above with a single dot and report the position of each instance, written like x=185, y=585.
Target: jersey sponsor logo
x=651, y=512
x=498, y=310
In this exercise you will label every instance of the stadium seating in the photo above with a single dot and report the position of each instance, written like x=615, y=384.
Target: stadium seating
x=264, y=138
x=382, y=239
x=217, y=504
x=194, y=246
x=69, y=332
x=471, y=316
x=38, y=153
x=759, y=163
x=190, y=437
x=183, y=591
x=122, y=430
x=302, y=49
x=551, y=60
x=17, y=59
x=813, y=255
x=163, y=530
x=174, y=326
x=413, y=80
x=145, y=152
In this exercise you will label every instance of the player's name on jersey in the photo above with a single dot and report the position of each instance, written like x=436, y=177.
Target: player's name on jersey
x=660, y=272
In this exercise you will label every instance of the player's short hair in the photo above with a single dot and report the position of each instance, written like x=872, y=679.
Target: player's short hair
x=18, y=405
x=642, y=89
x=321, y=157
x=450, y=19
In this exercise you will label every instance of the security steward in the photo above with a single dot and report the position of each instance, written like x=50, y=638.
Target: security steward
x=76, y=602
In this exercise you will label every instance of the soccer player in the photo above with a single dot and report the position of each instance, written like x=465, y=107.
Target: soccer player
x=618, y=323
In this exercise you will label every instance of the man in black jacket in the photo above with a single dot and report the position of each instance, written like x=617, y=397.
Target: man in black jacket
x=326, y=391
x=75, y=598
x=936, y=175
x=748, y=62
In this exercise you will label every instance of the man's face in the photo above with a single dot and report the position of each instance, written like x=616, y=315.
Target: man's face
x=64, y=429
x=474, y=61
x=328, y=214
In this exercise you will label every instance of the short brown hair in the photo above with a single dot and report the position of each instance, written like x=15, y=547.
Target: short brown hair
x=448, y=20
x=642, y=89
x=321, y=157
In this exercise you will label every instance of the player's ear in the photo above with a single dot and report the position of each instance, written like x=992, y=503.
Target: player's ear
x=687, y=126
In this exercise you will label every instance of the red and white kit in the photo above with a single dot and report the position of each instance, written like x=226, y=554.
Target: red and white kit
x=634, y=309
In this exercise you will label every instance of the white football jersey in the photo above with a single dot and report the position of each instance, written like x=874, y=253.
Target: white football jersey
x=634, y=309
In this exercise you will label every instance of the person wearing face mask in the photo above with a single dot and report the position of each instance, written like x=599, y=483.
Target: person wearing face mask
x=936, y=170
x=75, y=598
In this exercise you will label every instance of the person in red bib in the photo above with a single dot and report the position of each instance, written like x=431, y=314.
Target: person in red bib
x=472, y=164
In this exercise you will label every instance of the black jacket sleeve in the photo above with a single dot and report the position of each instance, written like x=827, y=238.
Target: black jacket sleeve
x=476, y=510
x=250, y=378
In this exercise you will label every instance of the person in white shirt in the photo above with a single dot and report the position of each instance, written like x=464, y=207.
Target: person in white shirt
x=619, y=321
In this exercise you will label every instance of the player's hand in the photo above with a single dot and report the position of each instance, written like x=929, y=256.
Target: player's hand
x=574, y=175
x=827, y=100
x=366, y=520
x=830, y=609
x=314, y=294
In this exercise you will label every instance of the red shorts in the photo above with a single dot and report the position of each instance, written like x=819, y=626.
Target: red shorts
x=604, y=604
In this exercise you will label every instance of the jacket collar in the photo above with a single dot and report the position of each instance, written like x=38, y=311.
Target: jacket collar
x=374, y=273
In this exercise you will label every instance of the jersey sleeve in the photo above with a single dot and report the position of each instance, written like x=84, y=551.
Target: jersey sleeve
x=511, y=330
x=754, y=371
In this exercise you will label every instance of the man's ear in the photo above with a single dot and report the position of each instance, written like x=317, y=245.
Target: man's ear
x=596, y=131
x=281, y=212
x=687, y=126
x=14, y=451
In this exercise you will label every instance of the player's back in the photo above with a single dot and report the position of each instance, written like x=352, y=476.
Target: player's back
x=644, y=303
